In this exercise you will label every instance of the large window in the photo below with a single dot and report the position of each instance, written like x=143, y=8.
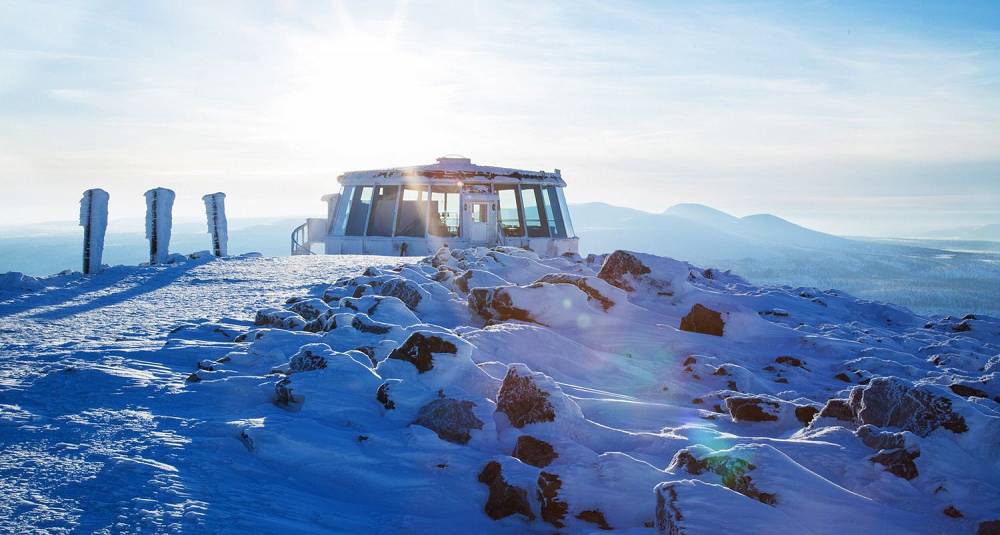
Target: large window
x=412, y=218
x=510, y=211
x=445, y=212
x=383, y=209
x=357, y=212
x=534, y=212
x=550, y=196
x=567, y=220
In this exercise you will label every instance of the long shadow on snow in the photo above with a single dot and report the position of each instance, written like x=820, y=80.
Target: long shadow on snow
x=157, y=278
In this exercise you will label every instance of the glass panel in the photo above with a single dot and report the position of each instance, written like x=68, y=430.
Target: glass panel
x=359, y=211
x=479, y=213
x=383, y=208
x=445, y=212
x=534, y=214
x=412, y=218
x=343, y=211
x=510, y=210
x=567, y=220
x=554, y=211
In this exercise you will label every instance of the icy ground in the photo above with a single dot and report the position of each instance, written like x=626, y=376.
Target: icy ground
x=487, y=391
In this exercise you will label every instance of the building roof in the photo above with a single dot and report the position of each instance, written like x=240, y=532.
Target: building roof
x=451, y=169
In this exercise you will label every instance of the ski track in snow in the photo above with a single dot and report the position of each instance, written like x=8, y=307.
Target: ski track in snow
x=147, y=400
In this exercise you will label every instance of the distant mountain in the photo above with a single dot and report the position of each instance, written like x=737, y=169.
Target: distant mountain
x=932, y=277
x=982, y=232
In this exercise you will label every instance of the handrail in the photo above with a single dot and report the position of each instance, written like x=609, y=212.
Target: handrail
x=300, y=246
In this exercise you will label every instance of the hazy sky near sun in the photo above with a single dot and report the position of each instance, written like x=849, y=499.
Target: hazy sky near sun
x=852, y=117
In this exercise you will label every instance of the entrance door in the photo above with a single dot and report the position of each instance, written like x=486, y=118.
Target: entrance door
x=480, y=222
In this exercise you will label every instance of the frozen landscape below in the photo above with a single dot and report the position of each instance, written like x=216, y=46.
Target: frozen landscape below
x=487, y=391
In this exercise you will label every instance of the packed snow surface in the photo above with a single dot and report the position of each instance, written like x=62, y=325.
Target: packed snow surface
x=486, y=390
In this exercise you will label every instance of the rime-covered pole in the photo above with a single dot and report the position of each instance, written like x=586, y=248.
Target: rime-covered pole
x=94, y=220
x=215, y=210
x=159, y=204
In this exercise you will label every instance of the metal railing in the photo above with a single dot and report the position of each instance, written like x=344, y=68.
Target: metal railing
x=300, y=241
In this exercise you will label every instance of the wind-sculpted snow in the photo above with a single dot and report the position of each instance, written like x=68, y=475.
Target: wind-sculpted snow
x=490, y=390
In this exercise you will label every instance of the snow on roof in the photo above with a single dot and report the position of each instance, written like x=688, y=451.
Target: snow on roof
x=451, y=168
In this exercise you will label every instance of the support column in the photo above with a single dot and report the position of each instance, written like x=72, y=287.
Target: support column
x=94, y=220
x=159, y=205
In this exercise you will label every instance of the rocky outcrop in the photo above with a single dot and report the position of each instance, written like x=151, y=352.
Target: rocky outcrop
x=451, y=419
x=595, y=516
x=838, y=409
x=805, y=414
x=877, y=439
x=495, y=304
x=279, y=318
x=703, y=320
x=533, y=451
x=382, y=394
x=899, y=462
x=620, y=268
x=504, y=499
x=731, y=469
x=405, y=290
x=553, y=509
x=893, y=402
x=752, y=409
x=419, y=349
x=584, y=283
x=309, y=309
x=522, y=401
x=309, y=357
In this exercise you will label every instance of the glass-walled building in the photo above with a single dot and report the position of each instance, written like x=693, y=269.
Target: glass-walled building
x=416, y=210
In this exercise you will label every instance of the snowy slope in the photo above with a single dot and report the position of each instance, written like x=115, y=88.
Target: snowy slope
x=488, y=391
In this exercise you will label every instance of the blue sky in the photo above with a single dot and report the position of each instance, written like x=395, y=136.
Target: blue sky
x=851, y=117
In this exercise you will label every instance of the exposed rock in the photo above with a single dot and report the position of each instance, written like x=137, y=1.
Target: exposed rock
x=967, y=391
x=533, y=451
x=667, y=512
x=522, y=401
x=582, y=282
x=496, y=304
x=405, y=290
x=309, y=309
x=504, y=499
x=620, y=266
x=703, y=320
x=553, y=509
x=837, y=408
x=309, y=357
x=962, y=327
x=278, y=318
x=283, y=396
x=751, y=409
x=805, y=413
x=953, y=512
x=789, y=360
x=382, y=394
x=989, y=527
x=899, y=462
x=843, y=377
x=363, y=323
x=419, y=350
x=892, y=402
x=595, y=516
x=731, y=469
x=477, y=278
x=451, y=419
x=877, y=439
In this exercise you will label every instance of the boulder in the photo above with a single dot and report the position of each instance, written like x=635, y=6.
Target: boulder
x=805, y=414
x=419, y=349
x=589, y=285
x=496, y=304
x=752, y=409
x=310, y=357
x=899, y=462
x=595, y=516
x=838, y=409
x=522, y=401
x=477, y=278
x=894, y=402
x=451, y=419
x=405, y=290
x=731, y=469
x=533, y=451
x=504, y=499
x=703, y=320
x=989, y=527
x=382, y=394
x=620, y=267
x=309, y=309
x=280, y=319
x=553, y=509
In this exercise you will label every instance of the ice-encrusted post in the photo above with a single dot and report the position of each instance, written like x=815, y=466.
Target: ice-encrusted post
x=159, y=204
x=215, y=209
x=94, y=220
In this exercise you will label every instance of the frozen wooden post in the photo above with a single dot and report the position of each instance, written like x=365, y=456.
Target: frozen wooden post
x=215, y=209
x=94, y=220
x=159, y=204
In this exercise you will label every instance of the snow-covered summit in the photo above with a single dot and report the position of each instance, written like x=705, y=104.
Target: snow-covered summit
x=491, y=390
